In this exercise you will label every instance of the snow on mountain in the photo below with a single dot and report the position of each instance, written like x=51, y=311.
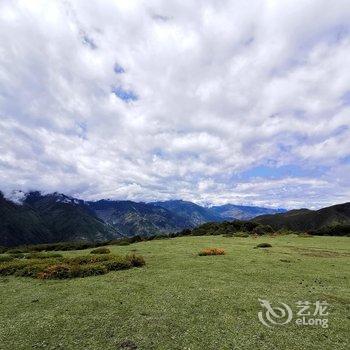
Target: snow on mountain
x=16, y=196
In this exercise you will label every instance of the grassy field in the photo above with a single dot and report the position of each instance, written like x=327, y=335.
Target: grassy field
x=184, y=301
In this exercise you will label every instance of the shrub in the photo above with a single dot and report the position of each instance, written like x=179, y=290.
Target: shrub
x=88, y=270
x=117, y=263
x=58, y=271
x=212, y=251
x=4, y=258
x=241, y=234
x=136, y=239
x=185, y=232
x=262, y=230
x=248, y=226
x=136, y=260
x=101, y=250
x=31, y=270
x=263, y=245
x=61, y=268
x=10, y=267
x=332, y=230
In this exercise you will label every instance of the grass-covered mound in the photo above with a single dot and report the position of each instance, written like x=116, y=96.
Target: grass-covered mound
x=55, y=266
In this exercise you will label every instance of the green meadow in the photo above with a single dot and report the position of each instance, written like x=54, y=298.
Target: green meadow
x=180, y=300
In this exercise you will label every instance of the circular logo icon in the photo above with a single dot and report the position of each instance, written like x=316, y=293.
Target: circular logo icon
x=271, y=316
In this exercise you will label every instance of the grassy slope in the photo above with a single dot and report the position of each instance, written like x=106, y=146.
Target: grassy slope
x=182, y=301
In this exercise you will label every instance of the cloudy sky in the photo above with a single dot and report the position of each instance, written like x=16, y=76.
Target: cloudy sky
x=215, y=101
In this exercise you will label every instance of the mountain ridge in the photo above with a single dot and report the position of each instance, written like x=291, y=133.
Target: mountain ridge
x=35, y=217
x=243, y=212
x=307, y=219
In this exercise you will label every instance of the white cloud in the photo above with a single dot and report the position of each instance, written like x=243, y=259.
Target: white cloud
x=222, y=86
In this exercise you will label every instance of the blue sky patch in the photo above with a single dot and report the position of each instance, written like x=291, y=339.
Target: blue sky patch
x=280, y=172
x=118, y=69
x=125, y=95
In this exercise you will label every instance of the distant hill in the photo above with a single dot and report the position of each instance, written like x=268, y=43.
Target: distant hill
x=305, y=219
x=21, y=224
x=242, y=212
x=48, y=219
x=30, y=218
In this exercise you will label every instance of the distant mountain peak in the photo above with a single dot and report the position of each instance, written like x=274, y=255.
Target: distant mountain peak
x=16, y=196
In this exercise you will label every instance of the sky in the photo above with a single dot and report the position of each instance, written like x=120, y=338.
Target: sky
x=244, y=102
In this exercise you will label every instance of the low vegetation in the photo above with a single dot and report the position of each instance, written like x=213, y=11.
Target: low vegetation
x=263, y=245
x=4, y=258
x=332, y=230
x=212, y=251
x=41, y=255
x=55, y=266
x=101, y=250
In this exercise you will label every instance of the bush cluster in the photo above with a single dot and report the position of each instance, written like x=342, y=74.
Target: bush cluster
x=229, y=229
x=212, y=251
x=58, y=267
x=262, y=230
x=332, y=230
x=136, y=260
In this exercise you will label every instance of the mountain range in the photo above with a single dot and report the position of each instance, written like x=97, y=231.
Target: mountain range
x=308, y=220
x=243, y=212
x=30, y=218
